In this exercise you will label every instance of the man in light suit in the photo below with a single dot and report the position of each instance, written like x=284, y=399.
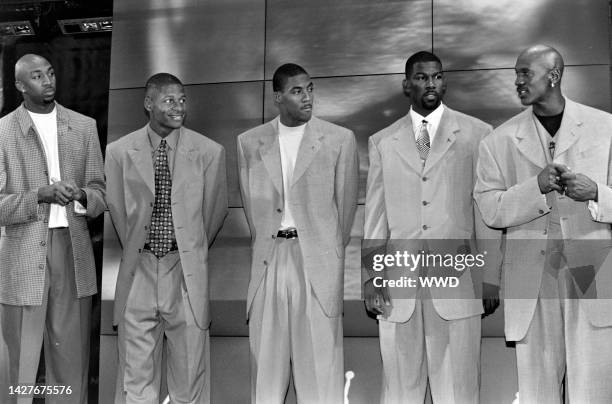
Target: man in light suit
x=420, y=181
x=298, y=178
x=51, y=181
x=544, y=176
x=167, y=198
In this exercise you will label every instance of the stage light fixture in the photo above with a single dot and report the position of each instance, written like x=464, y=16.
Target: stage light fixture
x=86, y=25
x=16, y=28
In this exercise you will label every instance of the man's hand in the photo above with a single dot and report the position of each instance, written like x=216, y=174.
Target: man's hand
x=490, y=298
x=77, y=193
x=376, y=299
x=59, y=192
x=579, y=187
x=549, y=178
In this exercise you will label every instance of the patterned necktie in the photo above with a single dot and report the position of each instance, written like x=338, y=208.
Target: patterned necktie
x=161, y=234
x=422, y=141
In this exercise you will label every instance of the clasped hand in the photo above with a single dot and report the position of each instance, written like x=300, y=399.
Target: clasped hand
x=59, y=192
x=560, y=178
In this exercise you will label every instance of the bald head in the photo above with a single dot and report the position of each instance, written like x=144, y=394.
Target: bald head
x=545, y=55
x=26, y=63
x=538, y=79
x=35, y=80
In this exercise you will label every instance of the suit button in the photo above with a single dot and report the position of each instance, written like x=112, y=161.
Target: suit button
x=279, y=210
x=41, y=266
x=146, y=227
x=274, y=236
x=541, y=211
x=545, y=232
x=265, y=262
x=542, y=252
x=139, y=250
x=151, y=204
x=46, y=173
x=425, y=203
x=42, y=243
x=424, y=179
x=425, y=227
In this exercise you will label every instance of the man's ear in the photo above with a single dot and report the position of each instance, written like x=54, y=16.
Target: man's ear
x=20, y=87
x=277, y=97
x=555, y=77
x=148, y=104
x=406, y=88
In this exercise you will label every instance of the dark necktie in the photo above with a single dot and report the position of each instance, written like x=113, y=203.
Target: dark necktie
x=422, y=141
x=161, y=234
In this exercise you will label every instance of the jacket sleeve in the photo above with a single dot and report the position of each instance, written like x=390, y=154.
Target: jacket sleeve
x=215, y=195
x=115, y=196
x=346, y=185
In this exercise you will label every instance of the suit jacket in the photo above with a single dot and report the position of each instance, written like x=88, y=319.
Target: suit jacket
x=323, y=199
x=408, y=202
x=23, y=169
x=508, y=195
x=199, y=206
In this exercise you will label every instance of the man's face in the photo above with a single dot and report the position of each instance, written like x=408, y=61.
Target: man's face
x=36, y=81
x=167, y=107
x=532, y=79
x=425, y=86
x=295, y=100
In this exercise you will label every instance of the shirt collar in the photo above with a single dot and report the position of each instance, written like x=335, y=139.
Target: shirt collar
x=155, y=139
x=433, y=118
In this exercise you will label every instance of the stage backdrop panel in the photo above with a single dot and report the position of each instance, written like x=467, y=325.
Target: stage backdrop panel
x=199, y=41
x=476, y=34
x=346, y=37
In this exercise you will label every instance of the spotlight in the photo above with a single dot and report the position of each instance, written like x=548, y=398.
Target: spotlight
x=16, y=28
x=86, y=25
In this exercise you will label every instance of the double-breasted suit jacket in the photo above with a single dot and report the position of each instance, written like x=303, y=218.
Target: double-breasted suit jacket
x=23, y=169
x=408, y=201
x=323, y=206
x=508, y=195
x=199, y=206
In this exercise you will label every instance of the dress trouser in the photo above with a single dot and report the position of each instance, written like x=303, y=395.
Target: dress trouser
x=157, y=306
x=447, y=352
x=289, y=330
x=562, y=342
x=62, y=322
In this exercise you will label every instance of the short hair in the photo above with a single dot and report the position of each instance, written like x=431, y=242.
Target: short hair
x=160, y=80
x=283, y=73
x=420, y=57
x=157, y=81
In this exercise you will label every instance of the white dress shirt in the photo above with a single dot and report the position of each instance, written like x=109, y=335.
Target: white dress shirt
x=433, y=121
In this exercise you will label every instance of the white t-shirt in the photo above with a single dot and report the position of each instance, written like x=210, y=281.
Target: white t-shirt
x=289, y=139
x=46, y=126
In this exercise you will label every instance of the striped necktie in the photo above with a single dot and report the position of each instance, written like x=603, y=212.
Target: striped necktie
x=422, y=141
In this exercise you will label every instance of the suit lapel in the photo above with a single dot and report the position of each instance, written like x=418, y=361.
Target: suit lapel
x=269, y=151
x=444, y=138
x=528, y=141
x=570, y=129
x=183, y=162
x=309, y=146
x=64, y=132
x=406, y=145
x=140, y=154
